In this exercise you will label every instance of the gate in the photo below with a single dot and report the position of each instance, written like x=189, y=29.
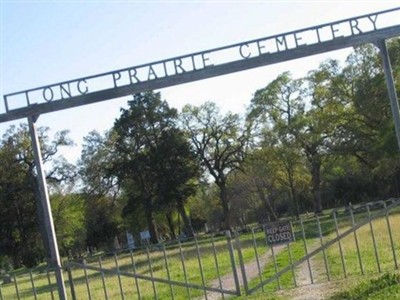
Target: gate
x=31, y=103
x=352, y=241
x=184, y=270
x=363, y=233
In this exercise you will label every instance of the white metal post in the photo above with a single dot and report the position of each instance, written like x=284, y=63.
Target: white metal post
x=45, y=202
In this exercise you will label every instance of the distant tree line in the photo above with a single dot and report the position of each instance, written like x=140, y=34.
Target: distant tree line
x=303, y=145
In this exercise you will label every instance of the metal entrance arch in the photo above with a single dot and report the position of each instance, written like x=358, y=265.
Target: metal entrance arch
x=31, y=103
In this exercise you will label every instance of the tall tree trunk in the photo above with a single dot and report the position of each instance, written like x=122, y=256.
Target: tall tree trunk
x=267, y=204
x=316, y=183
x=168, y=216
x=293, y=192
x=151, y=223
x=16, y=260
x=226, y=221
x=188, y=230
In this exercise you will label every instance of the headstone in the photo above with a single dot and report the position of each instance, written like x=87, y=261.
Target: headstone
x=117, y=246
x=145, y=235
x=7, y=279
x=130, y=240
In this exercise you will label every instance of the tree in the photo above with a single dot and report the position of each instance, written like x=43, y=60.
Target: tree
x=18, y=212
x=103, y=218
x=96, y=165
x=221, y=143
x=322, y=122
x=314, y=128
x=21, y=214
x=154, y=162
x=69, y=221
x=101, y=190
x=371, y=132
x=280, y=107
x=178, y=174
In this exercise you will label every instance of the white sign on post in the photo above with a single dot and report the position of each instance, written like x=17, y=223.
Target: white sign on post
x=279, y=233
x=130, y=240
x=145, y=235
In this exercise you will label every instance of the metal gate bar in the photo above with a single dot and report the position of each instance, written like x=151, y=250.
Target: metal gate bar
x=339, y=245
x=168, y=274
x=257, y=257
x=134, y=272
x=151, y=273
x=149, y=278
x=306, y=251
x=391, y=238
x=217, y=265
x=103, y=281
x=356, y=241
x=184, y=269
x=50, y=285
x=371, y=228
x=381, y=213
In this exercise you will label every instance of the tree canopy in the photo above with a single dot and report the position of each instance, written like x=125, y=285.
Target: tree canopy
x=304, y=144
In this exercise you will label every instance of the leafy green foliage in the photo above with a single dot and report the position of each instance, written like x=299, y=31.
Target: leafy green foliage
x=154, y=162
x=69, y=222
x=21, y=217
x=324, y=140
x=337, y=123
x=96, y=165
x=221, y=144
x=103, y=221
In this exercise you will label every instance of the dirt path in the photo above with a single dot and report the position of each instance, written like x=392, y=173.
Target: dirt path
x=228, y=281
x=307, y=289
x=308, y=286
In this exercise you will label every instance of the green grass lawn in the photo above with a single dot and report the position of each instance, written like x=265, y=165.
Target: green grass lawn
x=352, y=265
x=369, y=258
x=386, y=286
x=216, y=261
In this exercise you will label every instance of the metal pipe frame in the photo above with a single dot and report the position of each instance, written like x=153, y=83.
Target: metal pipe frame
x=45, y=202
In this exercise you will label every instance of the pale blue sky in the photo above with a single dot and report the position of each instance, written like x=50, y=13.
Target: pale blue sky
x=44, y=42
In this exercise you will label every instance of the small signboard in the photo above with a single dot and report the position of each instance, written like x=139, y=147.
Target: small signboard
x=279, y=233
x=130, y=240
x=145, y=235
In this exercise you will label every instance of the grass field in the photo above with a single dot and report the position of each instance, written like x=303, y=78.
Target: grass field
x=199, y=263
x=349, y=276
